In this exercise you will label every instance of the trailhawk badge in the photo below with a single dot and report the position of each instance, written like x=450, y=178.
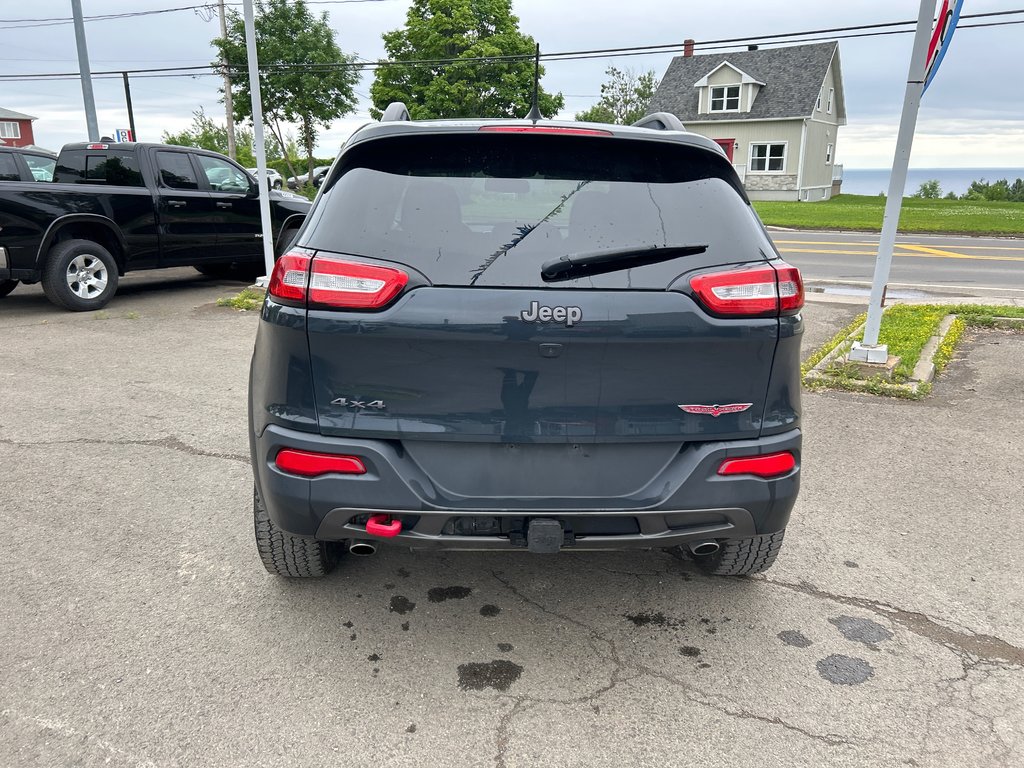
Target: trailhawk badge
x=715, y=410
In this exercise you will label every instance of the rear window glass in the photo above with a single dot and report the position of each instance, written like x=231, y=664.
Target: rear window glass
x=108, y=167
x=487, y=209
x=8, y=167
x=176, y=170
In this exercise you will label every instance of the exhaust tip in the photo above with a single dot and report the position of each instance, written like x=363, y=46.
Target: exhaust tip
x=362, y=548
x=705, y=548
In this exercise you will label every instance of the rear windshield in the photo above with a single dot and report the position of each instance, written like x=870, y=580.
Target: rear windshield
x=491, y=209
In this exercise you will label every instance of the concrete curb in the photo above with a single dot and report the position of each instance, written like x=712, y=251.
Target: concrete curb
x=924, y=371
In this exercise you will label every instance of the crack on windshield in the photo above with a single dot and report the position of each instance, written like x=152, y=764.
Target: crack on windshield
x=524, y=232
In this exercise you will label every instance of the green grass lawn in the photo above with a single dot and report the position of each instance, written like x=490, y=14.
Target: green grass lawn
x=863, y=212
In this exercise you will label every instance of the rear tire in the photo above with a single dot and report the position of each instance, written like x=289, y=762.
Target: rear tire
x=286, y=555
x=741, y=557
x=6, y=286
x=80, y=275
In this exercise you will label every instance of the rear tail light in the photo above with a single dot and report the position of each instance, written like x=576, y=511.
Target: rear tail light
x=310, y=464
x=325, y=281
x=752, y=292
x=770, y=465
x=349, y=284
x=290, y=276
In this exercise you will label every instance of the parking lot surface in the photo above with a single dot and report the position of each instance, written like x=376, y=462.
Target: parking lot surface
x=138, y=627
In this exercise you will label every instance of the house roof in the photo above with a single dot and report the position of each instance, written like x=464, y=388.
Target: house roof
x=10, y=114
x=793, y=77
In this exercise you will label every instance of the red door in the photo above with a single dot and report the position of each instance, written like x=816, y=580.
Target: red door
x=727, y=145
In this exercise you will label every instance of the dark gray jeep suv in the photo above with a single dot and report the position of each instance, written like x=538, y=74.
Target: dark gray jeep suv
x=538, y=335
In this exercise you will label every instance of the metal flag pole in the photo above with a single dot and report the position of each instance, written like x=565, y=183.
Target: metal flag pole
x=870, y=351
x=261, y=150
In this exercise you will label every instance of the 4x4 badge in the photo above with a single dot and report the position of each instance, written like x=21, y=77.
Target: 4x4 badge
x=715, y=410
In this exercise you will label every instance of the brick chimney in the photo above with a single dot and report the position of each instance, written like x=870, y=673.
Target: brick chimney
x=688, y=47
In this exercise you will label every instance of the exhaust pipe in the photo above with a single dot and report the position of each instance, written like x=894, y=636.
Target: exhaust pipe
x=704, y=548
x=362, y=548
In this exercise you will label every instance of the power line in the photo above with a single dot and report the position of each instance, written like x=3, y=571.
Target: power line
x=877, y=30
x=59, y=20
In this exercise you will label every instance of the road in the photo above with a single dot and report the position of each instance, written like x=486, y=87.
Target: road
x=139, y=628
x=965, y=266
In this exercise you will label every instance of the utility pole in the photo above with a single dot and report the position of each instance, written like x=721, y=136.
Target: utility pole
x=83, y=67
x=128, y=101
x=229, y=111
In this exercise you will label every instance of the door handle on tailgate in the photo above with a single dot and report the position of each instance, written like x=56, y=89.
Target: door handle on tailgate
x=223, y=205
x=176, y=203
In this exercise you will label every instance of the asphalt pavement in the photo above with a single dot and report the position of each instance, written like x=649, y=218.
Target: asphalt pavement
x=138, y=627
x=844, y=262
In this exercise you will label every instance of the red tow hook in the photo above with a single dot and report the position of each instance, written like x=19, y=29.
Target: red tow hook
x=382, y=525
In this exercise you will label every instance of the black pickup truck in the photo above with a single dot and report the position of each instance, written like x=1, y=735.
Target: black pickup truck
x=112, y=208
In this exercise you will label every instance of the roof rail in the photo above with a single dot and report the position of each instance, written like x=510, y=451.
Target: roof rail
x=660, y=121
x=396, y=110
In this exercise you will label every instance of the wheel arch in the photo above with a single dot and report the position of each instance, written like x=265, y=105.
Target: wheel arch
x=84, y=226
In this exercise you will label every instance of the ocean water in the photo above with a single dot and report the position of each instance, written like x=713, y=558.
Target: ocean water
x=871, y=181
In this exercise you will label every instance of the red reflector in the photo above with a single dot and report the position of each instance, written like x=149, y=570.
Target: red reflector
x=353, y=285
x=544, y=129
x=309, y=464
x=771, y=465
x=290, y=276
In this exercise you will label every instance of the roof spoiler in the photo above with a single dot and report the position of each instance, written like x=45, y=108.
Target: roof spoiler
x=660, y=121
x=396, y=111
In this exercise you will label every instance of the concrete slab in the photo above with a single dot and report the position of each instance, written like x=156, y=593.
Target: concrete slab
x=138, y=627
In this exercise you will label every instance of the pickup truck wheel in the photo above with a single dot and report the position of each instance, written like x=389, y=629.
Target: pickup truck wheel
x=80, y=275
x=6, y=286
x=286, y=555
x=740, y=557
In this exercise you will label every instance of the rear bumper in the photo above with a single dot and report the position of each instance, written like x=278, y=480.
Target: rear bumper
x=686, y=501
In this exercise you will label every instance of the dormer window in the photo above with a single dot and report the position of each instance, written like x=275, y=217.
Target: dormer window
x=725, y=98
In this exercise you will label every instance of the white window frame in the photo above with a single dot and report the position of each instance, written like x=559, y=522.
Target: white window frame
x=17, y=129
x=767, y=157
x=726, y=98
x=817, y=106
x=831, y=98
x=829, y=149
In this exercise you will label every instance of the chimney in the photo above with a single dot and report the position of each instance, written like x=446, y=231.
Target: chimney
x=688, y=47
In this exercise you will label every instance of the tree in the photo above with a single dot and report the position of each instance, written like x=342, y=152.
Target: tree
x=625, y=97
x=304, y=76
x=206, y=134
x=452, y=33
x=929, y=190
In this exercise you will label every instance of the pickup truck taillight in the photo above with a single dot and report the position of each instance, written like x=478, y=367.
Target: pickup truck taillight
x=753, y=292
x=333, y=283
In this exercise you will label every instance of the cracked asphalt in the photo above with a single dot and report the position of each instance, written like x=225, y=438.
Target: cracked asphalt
x=137, y=626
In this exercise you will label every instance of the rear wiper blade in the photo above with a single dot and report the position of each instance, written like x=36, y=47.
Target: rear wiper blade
x=602, y=262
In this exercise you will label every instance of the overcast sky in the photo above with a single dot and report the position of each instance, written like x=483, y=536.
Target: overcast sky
x=972, y=116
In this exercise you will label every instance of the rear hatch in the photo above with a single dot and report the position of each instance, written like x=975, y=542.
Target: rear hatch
x=545, y=299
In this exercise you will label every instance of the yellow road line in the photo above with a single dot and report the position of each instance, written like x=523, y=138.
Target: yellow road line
x=917, y=254
x=875, y=244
